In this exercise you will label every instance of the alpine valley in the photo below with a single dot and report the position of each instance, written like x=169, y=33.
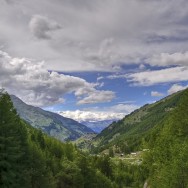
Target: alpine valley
x=93, y=93
x=147, y=148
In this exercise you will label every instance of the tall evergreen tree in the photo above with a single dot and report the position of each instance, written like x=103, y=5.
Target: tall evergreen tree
x=12, y=140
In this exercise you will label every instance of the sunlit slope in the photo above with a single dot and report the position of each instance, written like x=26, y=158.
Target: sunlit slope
x=129, y=132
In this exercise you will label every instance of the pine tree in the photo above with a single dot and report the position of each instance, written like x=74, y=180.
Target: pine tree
x=11, y=144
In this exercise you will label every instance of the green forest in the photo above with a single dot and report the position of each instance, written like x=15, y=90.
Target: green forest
x=31, y=159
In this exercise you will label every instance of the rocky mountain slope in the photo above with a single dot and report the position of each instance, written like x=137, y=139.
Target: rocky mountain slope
x=51, y=123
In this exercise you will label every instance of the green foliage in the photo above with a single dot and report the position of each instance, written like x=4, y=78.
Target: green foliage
x=163, y=129
x=129, y=132
x=12, y=144
x=51, y=123
x=29, y=158
x=168, y=159
x=111, y=152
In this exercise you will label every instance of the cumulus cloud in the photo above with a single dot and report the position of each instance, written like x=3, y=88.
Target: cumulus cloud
x=35, y=85
x=175, y=88
x=80, y=115
x=156, y=94
x=115, y=112
x=148, y=78
x=42, y=27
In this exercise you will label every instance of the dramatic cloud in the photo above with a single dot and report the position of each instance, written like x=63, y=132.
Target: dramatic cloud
x=156, y=94
x=35, y=85
x=149, y=78
x=142, y=42
x=176, y=87
x=42, y=27
x=96, y=35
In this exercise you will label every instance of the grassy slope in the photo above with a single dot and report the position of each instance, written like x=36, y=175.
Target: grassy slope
x=129, y=132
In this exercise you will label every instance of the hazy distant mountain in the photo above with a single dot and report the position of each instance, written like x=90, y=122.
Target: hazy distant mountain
x=51, y=123
x=97, y=126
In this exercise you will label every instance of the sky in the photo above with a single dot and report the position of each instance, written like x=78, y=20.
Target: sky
x=93, y=60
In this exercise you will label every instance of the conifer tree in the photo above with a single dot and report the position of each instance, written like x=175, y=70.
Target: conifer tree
x=11, y=144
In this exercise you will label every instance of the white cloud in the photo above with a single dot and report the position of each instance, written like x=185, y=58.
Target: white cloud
x=142, y=66
x=166, y=59
x=100, y=78
x=115, y=112
x=156, y=94
x=175, y=88
x=80, y=116
x=115, y=76
x=122, y=108
x=35, y=85
x=42, y=27
x=97, y=97
x=148, y=78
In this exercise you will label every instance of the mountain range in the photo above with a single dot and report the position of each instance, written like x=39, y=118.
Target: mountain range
x=51, y=123
x=97, y=126
x=128, y=133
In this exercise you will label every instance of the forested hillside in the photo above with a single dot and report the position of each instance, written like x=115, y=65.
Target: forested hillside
x=167, y=160
x=128, y=133
x=31, y=159
x=158, y=136
x=50, y=123
x=28, y=158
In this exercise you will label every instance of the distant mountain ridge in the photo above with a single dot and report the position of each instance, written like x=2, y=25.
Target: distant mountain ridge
x=97, y=126
x=51, y=123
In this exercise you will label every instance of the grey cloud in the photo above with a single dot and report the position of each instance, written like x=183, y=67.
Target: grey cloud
x=35, y=85
x=166, y=59
x=164, y=39
x=97, y=97
x=41, y=27
x=89, y=95
x=178, y=35
x=11, y=1
x=139, y=29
